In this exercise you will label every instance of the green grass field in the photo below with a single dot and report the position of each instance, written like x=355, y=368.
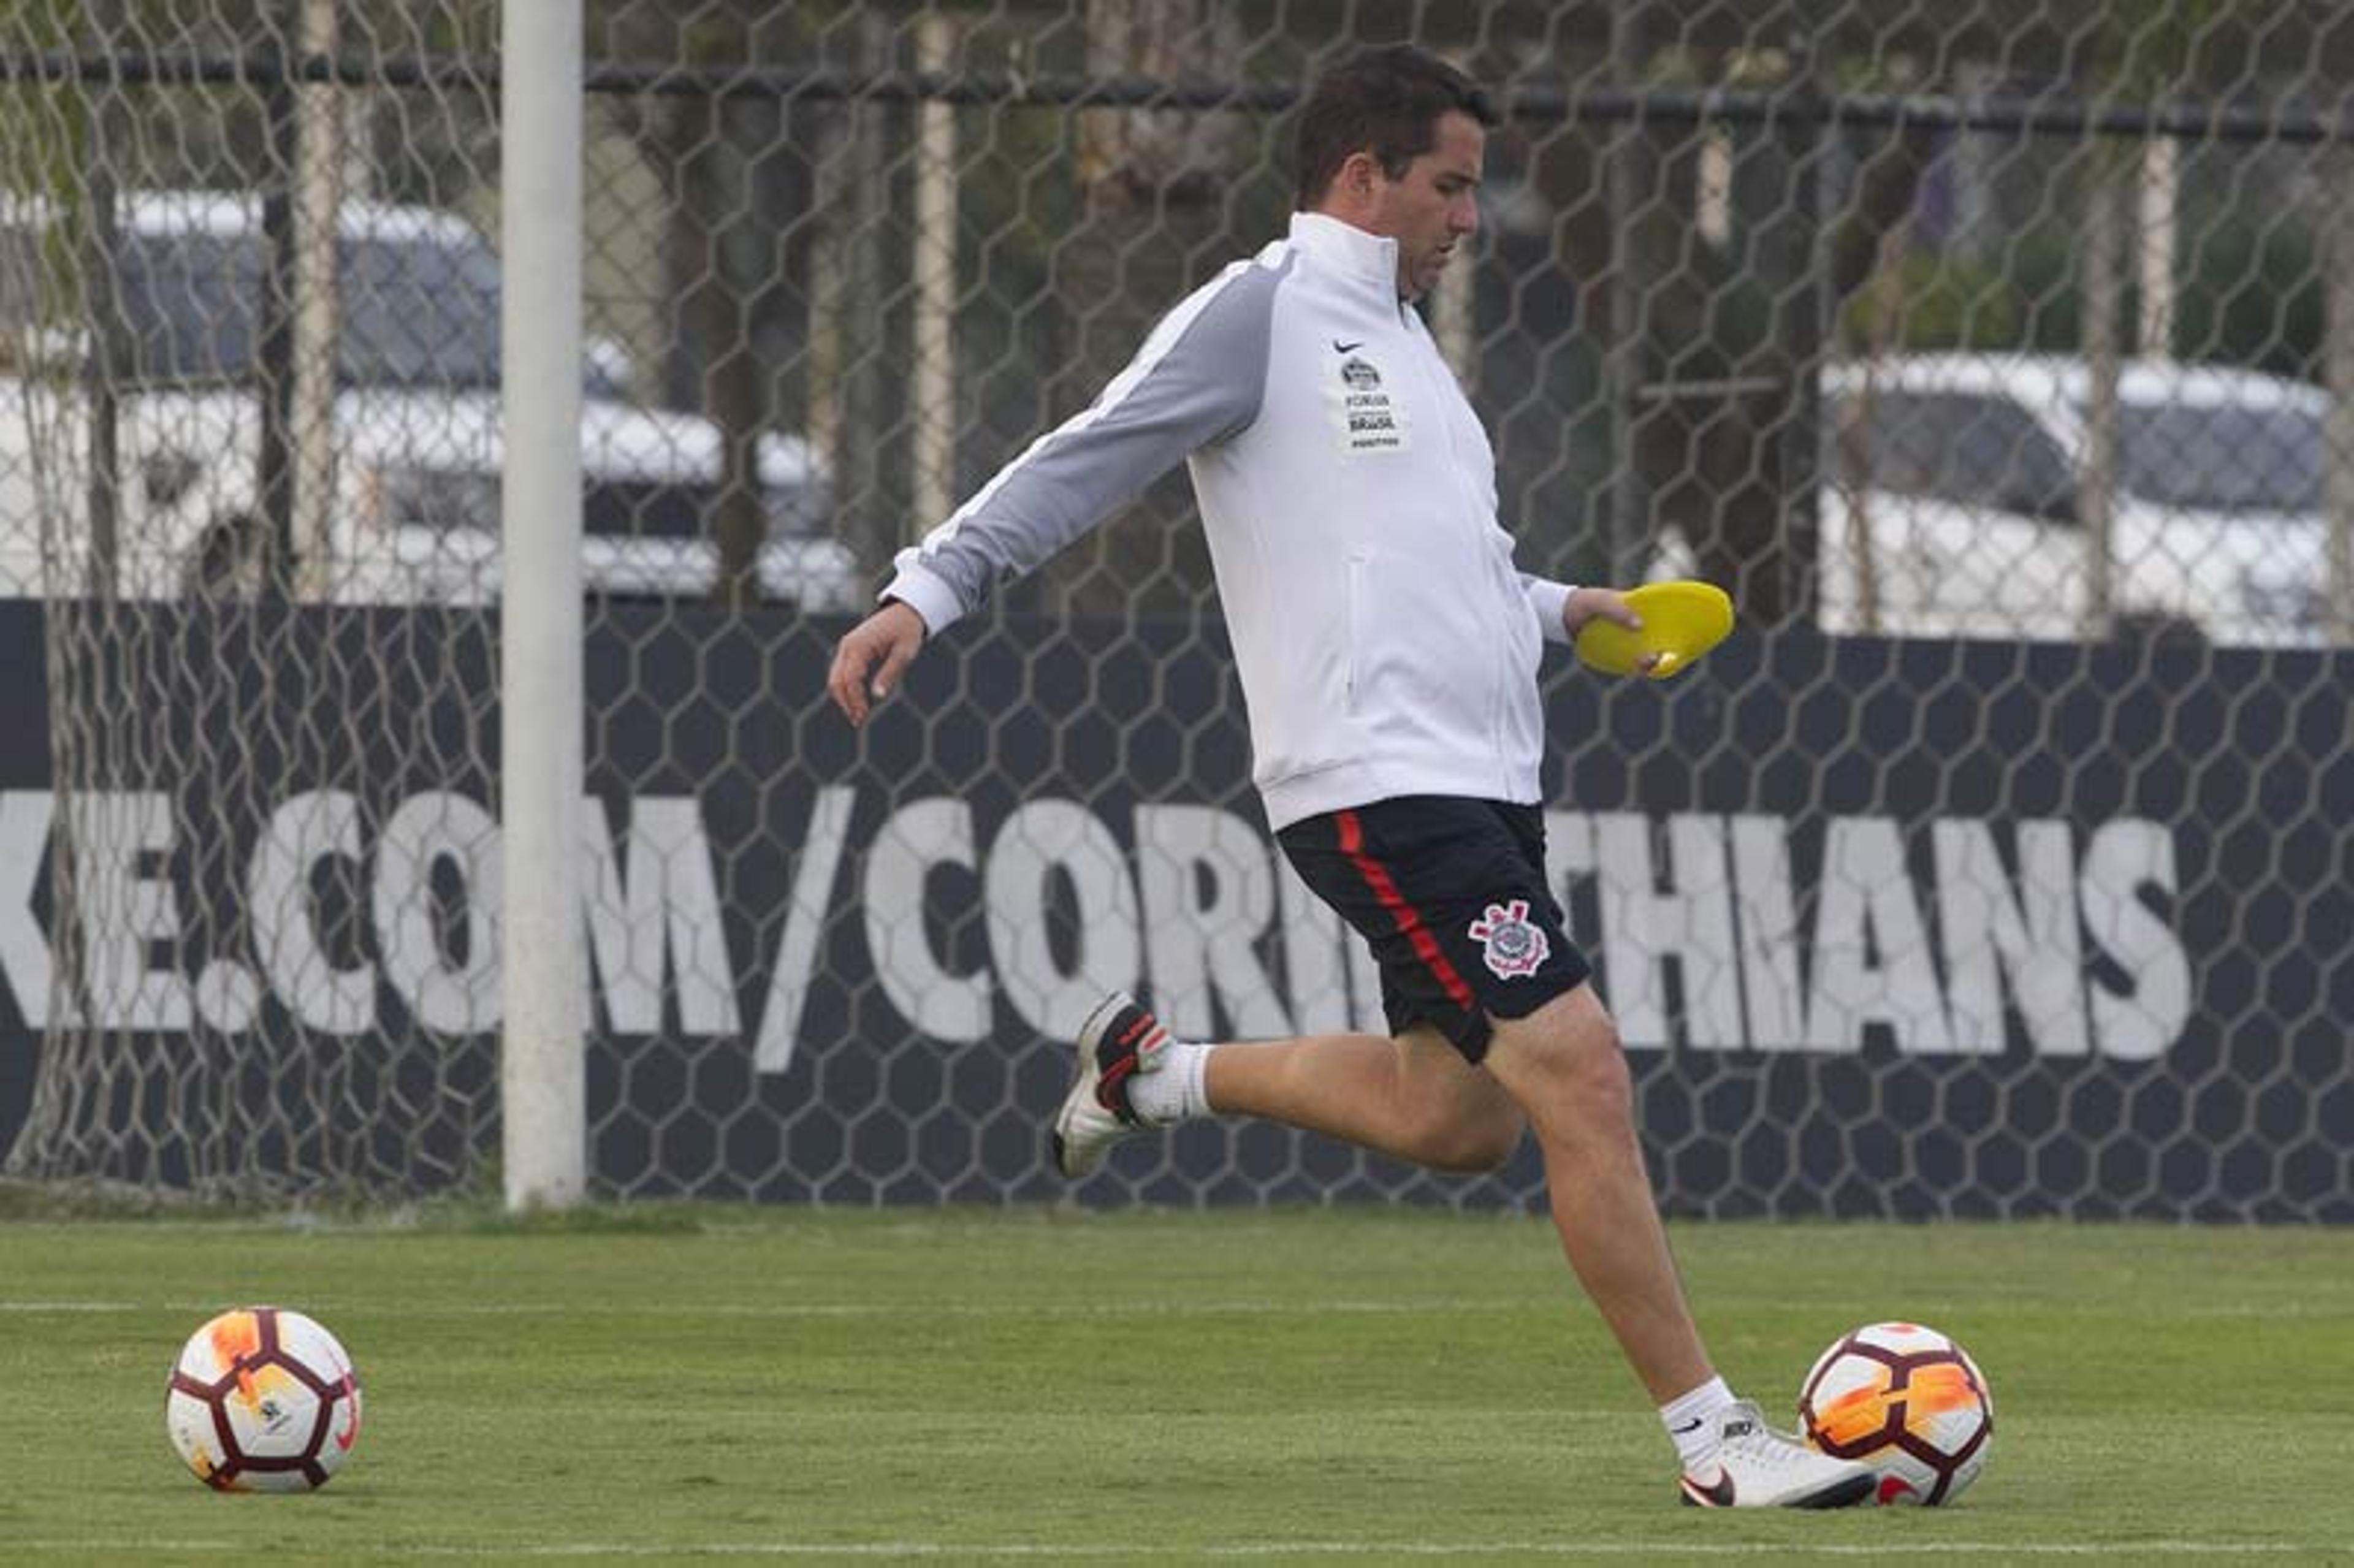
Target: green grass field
x=977, y=1386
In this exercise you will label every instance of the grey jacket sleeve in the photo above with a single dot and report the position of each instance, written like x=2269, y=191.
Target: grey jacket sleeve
x=1199, y=377
x=1547, y=599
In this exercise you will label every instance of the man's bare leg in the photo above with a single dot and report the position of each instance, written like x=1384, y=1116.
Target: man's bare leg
x=1560, y=1070
x=1414, y=1096
x=1418, y=1098
x=1563, y=1066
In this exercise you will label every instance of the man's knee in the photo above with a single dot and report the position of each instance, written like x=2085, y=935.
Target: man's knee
x=1458, y=1117
x=1474, y=1136
x=1567, y=1053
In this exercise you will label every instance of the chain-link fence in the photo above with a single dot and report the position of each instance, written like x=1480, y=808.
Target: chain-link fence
x=2021, y=336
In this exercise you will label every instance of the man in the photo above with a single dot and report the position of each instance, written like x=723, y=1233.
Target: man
x=1388, y=652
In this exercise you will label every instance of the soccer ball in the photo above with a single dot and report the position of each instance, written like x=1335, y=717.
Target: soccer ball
x=1908, y=1402
x=263, y=1400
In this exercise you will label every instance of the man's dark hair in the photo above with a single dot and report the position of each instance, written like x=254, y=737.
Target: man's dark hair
x=1385, y=102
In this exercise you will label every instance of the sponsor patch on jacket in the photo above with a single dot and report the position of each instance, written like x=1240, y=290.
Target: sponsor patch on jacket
x=1366, y=416
x=1511, y=944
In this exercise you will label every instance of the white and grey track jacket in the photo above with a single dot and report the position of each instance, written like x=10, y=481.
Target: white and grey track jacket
x=1385, y=643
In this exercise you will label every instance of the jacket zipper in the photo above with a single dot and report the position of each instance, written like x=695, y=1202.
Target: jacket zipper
x=1440, y=395
x=1355, y=622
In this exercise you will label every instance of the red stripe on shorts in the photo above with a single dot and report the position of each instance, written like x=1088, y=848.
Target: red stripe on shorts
x=1409, y=919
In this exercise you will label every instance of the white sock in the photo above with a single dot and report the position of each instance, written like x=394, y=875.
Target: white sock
x=1174, y=1090
x=1690, y=1421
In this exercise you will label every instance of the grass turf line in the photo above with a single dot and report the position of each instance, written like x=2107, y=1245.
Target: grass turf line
x=681, y=1383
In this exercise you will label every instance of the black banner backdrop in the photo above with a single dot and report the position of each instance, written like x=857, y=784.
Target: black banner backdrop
x=1892, y=929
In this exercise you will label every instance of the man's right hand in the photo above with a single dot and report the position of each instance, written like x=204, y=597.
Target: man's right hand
x=871, y=657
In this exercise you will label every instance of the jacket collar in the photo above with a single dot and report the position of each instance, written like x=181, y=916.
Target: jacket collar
x=1348, y=251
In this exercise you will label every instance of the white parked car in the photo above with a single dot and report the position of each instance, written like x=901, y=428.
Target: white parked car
x=1954, y=486
x=414, y=517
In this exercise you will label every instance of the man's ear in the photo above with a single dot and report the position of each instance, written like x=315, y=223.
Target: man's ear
x=1357, y=174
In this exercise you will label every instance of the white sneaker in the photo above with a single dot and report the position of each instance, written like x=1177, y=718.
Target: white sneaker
x=1119, y=1039
x=1758, y=1467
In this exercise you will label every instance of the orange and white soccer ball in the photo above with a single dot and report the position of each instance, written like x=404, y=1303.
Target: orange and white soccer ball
x=1906, y=1400
x=263, y=1400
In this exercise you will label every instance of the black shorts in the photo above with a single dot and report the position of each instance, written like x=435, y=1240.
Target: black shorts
x=1450, y=894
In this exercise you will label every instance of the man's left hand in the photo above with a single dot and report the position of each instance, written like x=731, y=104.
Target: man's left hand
x=1604, y=604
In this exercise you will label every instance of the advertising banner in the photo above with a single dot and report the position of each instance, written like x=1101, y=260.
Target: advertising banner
x=1889, y=929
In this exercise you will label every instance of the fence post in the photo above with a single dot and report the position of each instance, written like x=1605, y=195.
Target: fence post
x=318, y=177
x=2337, y=375
x=933, y=265
x=543, y=1076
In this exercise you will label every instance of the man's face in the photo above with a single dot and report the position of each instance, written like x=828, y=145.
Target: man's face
x=1433, y=204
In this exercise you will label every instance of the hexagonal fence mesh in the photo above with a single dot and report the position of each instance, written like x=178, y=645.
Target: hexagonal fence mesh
x=1996, y=358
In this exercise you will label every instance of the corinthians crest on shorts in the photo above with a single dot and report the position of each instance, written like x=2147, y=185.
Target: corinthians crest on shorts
x=1509, y=942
